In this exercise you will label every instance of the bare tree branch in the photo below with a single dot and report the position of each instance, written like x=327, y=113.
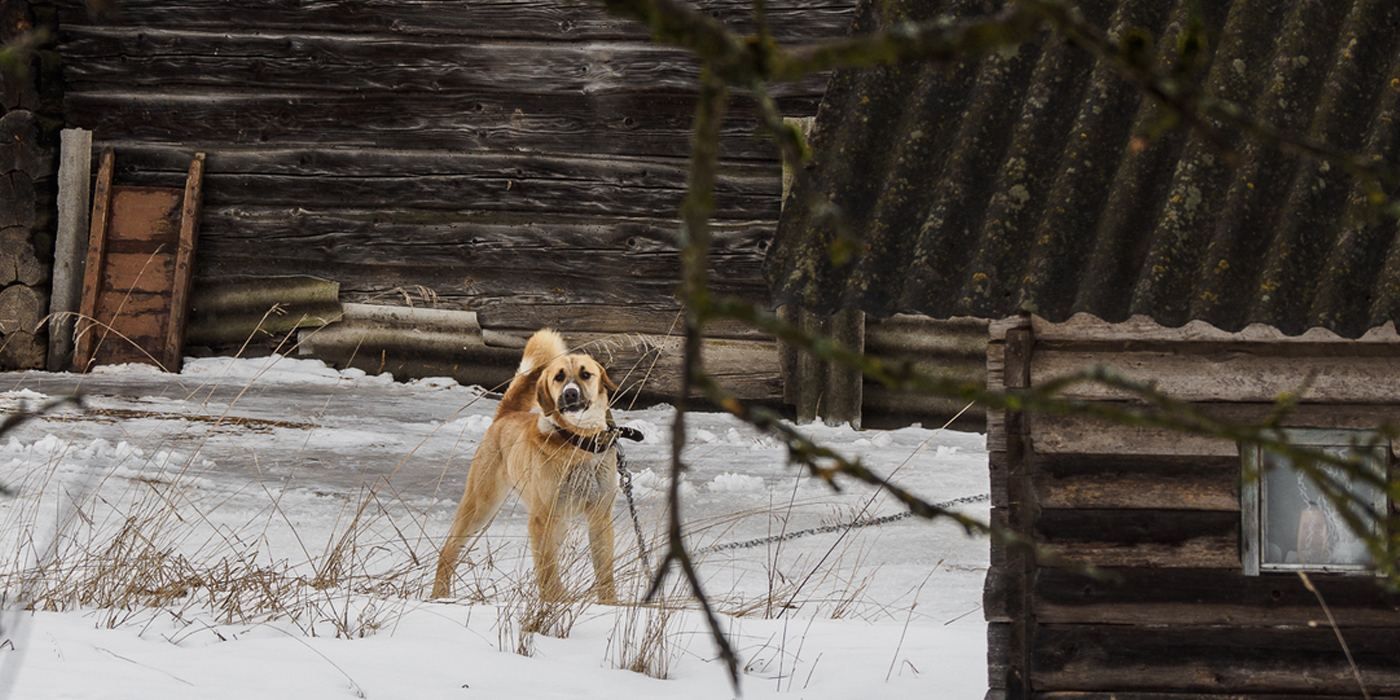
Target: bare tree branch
x=695, y=250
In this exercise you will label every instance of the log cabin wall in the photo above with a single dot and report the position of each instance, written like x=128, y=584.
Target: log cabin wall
x=524, y=160
x=29, y=105
x=1162, y=512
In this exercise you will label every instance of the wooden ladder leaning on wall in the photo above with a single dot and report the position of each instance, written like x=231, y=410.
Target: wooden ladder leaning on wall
x=140, y=263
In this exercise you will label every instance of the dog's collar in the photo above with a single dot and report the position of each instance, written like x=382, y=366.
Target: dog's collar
x=600, y=441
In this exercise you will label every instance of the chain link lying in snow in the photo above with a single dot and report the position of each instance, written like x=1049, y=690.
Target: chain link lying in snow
x=625, y=475
x=883, y=520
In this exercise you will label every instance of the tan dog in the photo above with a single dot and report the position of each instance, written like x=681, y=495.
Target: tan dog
x=561, y=462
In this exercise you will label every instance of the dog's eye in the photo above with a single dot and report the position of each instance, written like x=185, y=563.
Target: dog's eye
x=585, y=375
x=560, y=377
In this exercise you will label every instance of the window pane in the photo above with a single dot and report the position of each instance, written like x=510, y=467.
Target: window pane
x=1300, y=527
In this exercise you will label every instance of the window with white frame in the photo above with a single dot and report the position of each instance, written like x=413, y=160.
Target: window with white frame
x=1290, y=525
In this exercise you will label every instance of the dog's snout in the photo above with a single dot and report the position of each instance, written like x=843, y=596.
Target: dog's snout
x=570, y=398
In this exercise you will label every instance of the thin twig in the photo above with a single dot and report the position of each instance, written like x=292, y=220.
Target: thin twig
x=1356, y=672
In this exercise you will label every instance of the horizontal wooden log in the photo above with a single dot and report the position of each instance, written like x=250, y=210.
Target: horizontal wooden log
x=788, y=20
x=658, y=317
x=618, y=275
x=563, y=193
x=377, y=181
x=1160, y=597
x=643, y=366
x=927, y=339
x=143, y=162
x=631, y=124
x=652, y=365
x=956, y=349
x=227, y=59
x=1077, y=434
x=1236, y=372
x=881, y=407
x=515, y=297
x=1209, y=659
x=1134, y=481
x=607, y=247
x=1143, y=538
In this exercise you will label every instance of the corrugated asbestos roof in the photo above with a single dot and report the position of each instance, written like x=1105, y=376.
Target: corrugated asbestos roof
x=1029, y=180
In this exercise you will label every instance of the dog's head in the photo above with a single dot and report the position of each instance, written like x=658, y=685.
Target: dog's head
x=572, y=390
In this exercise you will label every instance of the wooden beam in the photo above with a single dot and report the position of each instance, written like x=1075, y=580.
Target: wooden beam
x=190, y=210
x=70, y=248
x=87, y=329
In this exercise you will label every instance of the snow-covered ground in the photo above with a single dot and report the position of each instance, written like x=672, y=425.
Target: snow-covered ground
x=267, y=528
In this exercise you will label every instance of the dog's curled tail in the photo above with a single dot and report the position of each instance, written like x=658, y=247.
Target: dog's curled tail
x=542, y=348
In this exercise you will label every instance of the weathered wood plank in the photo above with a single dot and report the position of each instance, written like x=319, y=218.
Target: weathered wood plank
x=788, y=20
x=1236, y=372
x=146, y=273
x=1234, y=660
x=1077, y=434
x=1133, y=481
x=1020, y=517
x=639, y=247
x=70, y=245
x=191, y=209
x=506, y=193
x=1143, y=538
x=652, y=365
x=1211, y=597
x=540, y=187
x=234, y=59
x=630, y=124
x=87, y=332
x=150, y=160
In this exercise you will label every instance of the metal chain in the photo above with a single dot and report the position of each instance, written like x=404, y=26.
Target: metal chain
x=883, y=520
x=626, y=475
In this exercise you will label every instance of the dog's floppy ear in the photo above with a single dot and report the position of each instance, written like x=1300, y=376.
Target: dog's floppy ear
x=543, y=398
x=607, y=381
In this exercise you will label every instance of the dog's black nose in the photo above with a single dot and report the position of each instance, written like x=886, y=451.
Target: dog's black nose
x=569, y=398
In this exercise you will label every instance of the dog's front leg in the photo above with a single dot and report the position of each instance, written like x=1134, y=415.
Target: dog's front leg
x=485, y=491
x=546, y=537
x=600, y=546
